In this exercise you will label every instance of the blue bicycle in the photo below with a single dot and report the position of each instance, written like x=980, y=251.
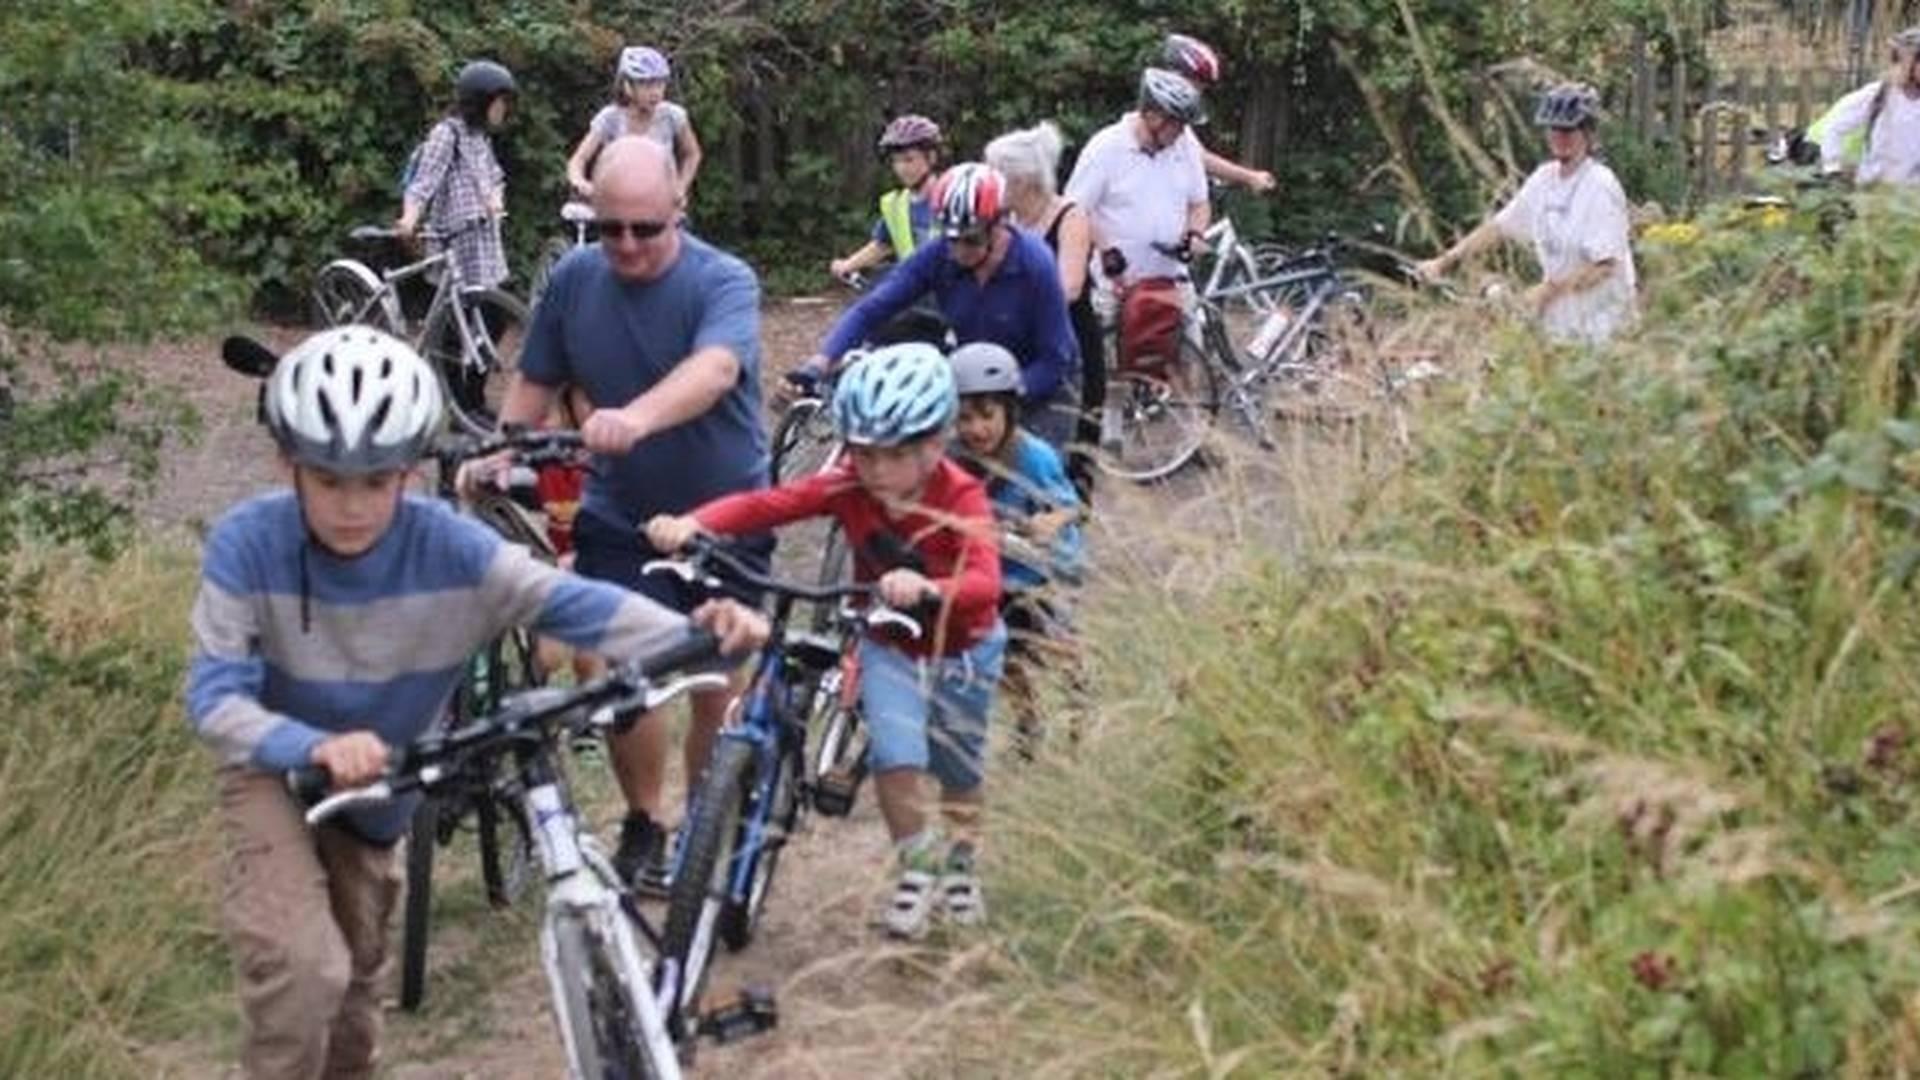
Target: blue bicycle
x=759, y=780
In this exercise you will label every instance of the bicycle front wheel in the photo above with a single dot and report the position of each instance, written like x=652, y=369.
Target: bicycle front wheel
x=702, y=882
x=1155, y=420
x=415, y=917
x=599, y=1007
x=840, y=755
x=803, y=441
x=476, y=349
x=348, y=291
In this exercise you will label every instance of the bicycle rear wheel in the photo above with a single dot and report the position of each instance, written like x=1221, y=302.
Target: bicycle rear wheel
x=1156, y=420
x=840, y=753
x=599, y=1009
x=477, y=366
x=702, y=882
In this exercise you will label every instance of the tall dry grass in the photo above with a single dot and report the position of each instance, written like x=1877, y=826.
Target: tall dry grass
x=1582, y=744
x=105, y=823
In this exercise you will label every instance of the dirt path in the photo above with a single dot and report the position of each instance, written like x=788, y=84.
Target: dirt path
x=850, y=1000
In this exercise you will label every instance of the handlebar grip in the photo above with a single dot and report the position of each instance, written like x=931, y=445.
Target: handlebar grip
x=697, y=647
x=309, y=783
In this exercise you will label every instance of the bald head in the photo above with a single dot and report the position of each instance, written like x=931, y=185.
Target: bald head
x=636, y=165
x=634, y=187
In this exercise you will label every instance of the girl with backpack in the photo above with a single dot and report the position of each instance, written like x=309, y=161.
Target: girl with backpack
x=456, y=183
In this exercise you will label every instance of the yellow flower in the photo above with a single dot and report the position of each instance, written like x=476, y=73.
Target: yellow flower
x=1676, y=233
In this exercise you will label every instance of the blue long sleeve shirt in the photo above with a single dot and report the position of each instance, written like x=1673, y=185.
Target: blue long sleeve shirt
x=1020, y=307
x=1035, y=482
x=293, y=644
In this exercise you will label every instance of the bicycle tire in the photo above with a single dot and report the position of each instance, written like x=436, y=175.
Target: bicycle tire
x=739, y=921
x=701, y=880
x=1184, y=400
x=841, y=745
x=475, y=385
x=835, y=568
x=551, y=253
x=348, y=291
x=803, y=441
x=598, y=1013
x=416, y=915
x=507, y=861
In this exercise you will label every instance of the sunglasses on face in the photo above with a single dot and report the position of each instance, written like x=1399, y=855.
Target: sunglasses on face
x=972, y=240
x=640, y=230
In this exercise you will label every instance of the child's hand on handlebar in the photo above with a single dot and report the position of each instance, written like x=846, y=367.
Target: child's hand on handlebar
x=668, y=533
x=353, y=759
x=738, y=626
x=905, y=589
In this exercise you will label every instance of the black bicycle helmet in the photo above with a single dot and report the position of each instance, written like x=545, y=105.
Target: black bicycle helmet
x=479, y=82
x=1568, y=105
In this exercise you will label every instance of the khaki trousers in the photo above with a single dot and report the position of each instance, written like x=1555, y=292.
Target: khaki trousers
x=306, y=914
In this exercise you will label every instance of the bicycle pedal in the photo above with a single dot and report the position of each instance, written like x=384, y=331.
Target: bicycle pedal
x=750, y=1012
x=834, y=792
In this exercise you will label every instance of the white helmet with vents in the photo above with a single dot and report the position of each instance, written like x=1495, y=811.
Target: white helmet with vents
x=353, y=399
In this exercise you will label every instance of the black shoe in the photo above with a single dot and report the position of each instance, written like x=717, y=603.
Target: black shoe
x=643, y=846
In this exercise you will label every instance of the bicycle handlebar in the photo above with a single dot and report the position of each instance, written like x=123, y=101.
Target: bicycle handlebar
x=530, y=446
x=703, y=550
x=607, y=702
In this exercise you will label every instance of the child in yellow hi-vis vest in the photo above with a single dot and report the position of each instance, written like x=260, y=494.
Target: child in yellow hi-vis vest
x=913, y=147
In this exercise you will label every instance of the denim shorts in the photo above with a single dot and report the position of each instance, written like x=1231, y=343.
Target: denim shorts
x=931, y=714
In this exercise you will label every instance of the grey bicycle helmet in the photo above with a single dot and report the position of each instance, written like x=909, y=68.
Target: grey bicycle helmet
x=983, y=367
x=478, y=83
x=893, y=395
x=1568, y=105
x=353, y=399
x=1172, y=94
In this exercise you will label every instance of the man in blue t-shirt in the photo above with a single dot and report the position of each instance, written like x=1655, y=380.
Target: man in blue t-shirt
x=993, y=282
x=661, y=331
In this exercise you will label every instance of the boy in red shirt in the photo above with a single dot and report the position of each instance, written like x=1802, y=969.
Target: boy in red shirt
x=921, y=529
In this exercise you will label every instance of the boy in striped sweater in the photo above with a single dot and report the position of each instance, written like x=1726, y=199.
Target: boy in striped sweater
x=332, y=624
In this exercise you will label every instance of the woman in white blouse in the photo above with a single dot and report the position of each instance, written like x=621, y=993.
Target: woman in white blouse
x=1573, y=213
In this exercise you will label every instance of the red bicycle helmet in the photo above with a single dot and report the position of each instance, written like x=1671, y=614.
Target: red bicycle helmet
x=1191, y=57
x=968, y=199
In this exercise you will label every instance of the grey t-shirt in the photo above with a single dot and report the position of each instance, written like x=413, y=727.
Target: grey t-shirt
x=669, y=120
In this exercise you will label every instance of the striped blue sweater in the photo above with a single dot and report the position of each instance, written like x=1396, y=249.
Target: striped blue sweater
x=385, y=635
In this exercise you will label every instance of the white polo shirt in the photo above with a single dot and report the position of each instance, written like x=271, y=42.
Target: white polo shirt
x=1135, y=198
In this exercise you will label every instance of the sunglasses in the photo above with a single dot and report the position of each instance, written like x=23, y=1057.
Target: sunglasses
x=639, y=230
x=975, y=239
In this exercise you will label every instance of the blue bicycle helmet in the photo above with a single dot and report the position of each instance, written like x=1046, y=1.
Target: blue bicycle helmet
x=895, y=394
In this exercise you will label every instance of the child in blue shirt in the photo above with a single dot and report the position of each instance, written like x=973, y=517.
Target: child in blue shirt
x=1039, y=511
x=332, y=623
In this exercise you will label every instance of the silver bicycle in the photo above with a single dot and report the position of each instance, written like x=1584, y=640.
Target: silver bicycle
x=619, y=1010
x=471, y=335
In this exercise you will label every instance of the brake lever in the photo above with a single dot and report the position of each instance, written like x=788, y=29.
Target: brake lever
x=378, y=791
x=682, y=569
x=620, y=715
x=885, y=616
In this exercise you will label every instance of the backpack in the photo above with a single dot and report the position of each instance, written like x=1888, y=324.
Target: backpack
x=411, y=167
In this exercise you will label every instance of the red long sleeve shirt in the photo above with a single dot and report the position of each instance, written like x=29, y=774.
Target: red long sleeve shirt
x=950, y=531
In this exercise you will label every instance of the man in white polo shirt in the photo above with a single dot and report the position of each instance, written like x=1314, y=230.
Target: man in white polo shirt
x=1142, y=184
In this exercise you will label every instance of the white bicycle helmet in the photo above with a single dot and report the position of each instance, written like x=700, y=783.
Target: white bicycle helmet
x=895, y=394
x=355, y=400
x=1568, y=105
x=640, y=63
x=983, y=367
x=1173, y=94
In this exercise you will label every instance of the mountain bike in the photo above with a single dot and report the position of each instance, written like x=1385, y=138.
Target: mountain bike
x=480, y=800
x=472, y=336
x=615, y=996
x=759, y=778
